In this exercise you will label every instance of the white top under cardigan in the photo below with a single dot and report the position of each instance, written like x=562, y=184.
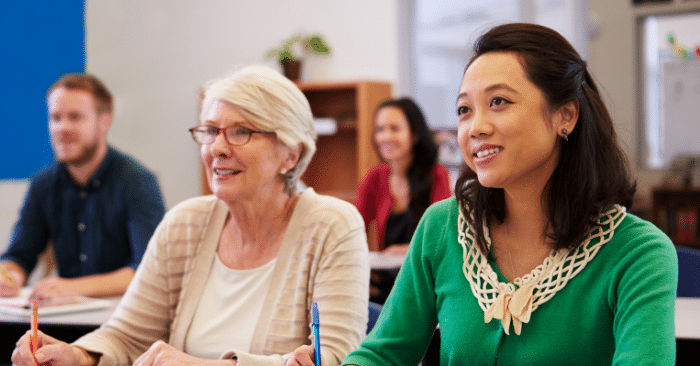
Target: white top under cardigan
x=323, y=258
x=228, y=310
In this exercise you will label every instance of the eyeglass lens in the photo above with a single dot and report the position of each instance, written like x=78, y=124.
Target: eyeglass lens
x=234, y=135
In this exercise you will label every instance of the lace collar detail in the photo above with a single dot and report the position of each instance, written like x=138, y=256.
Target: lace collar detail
x=514, y=302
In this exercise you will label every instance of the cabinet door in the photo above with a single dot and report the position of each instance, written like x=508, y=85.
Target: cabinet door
x=677, y=212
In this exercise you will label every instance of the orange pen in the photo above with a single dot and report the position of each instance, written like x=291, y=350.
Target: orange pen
x=34, y=338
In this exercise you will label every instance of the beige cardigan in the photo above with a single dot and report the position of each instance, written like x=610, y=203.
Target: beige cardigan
x=323, y=258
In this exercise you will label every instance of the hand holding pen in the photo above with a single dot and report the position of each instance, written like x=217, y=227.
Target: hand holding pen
x=317, y=337
x=309, y=355
x=36, y=347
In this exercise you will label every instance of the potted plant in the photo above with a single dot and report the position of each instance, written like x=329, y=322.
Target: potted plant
x=289, y=54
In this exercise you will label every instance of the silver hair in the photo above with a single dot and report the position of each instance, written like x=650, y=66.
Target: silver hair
x=270, y=102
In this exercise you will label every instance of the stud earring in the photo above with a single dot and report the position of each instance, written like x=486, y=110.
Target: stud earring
x=566, y=134
x=283, y=171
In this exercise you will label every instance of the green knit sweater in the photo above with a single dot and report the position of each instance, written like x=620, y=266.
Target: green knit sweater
x=618, y=310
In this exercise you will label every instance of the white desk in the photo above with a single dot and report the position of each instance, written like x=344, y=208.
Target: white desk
x=378, y=260
x=688, y=318
x=66, y=327
x=93, y=318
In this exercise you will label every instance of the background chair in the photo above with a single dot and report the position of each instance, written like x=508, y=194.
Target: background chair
x=688, y=272
x=374, y=311
x=432, y=354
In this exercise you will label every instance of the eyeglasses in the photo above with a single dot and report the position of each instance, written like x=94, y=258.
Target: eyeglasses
x=235, y=135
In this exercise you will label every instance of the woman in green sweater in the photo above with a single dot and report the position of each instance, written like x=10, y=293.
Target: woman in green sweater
x=535, y=262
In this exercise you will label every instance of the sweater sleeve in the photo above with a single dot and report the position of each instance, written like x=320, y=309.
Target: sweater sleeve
x=643, y=298
x=144, y=314
x=341, y=289
x=409, y=316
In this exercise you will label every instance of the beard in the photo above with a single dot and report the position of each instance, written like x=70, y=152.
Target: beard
x=86, y=155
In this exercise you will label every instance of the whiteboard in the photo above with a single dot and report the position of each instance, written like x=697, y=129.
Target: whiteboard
x=670, y=79
x=681, y=108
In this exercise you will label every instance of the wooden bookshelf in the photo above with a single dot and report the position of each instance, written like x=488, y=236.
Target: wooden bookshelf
x=677, y=213
x=342, y=159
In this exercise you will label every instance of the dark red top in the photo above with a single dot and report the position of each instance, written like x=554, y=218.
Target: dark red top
x=374, y=199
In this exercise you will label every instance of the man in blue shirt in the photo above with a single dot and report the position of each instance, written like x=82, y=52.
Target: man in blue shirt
x=97, y=205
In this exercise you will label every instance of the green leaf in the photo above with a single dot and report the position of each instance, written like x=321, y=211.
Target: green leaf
x=286, y=55
x=318, y=45
x=311, y=44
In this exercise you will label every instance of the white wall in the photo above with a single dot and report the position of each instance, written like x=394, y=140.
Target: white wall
x=11, y=196
x=156, y=54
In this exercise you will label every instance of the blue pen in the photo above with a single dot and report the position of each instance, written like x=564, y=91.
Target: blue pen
x=317, y=337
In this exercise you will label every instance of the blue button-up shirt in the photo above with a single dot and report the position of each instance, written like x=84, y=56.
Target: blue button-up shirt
x=97, y=228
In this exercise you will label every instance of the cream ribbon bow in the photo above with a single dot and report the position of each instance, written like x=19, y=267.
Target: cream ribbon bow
x=516, y=306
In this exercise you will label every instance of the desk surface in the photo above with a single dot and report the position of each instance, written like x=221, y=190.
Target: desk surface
x=688, y=318
x=378, y=260
x=82, y=318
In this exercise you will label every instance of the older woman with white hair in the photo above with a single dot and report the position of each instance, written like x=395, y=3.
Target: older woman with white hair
x=230, y=278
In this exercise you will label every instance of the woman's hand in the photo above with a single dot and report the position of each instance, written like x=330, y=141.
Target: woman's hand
x=12, y=278
x=8, y=289
x=303, y=356
x=51, y=352
x=52, y=287
x=161, y=354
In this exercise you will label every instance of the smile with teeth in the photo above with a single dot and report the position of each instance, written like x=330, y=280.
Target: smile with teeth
x=487, y=152
x=226, y=171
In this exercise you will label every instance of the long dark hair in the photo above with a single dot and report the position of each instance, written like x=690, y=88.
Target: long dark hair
x=593, y=171
x=425, y=154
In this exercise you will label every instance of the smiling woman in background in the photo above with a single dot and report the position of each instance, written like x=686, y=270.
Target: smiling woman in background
x=232, y=276
x=396, y=194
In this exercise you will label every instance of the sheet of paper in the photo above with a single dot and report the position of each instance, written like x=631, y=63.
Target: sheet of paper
x=20, y=305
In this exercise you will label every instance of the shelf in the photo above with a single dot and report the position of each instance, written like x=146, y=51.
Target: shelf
x=677, y=212
x=343, y=159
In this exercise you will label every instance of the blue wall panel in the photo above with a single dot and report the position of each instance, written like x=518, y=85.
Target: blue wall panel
x=40, y=40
